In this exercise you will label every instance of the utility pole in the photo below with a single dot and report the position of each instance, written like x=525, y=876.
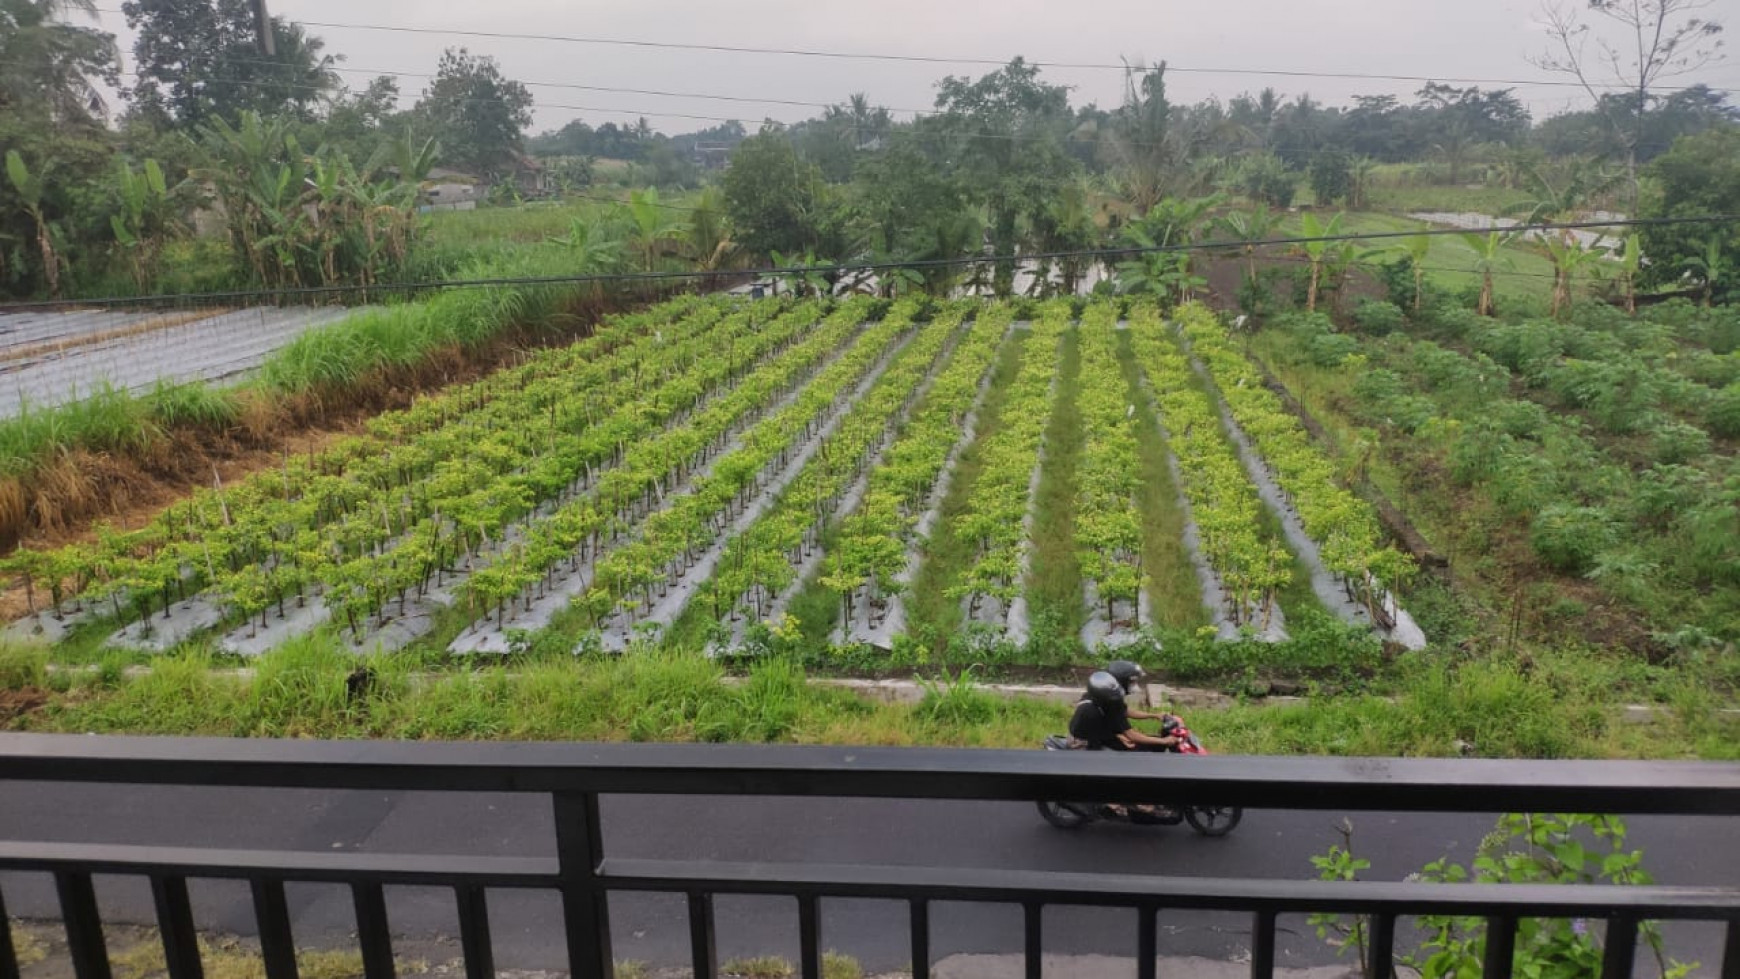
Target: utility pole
x=263, y=30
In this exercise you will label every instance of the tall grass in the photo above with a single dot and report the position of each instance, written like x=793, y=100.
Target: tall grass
x=1543, y=705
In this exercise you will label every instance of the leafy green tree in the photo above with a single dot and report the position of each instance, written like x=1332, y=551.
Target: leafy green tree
x=1489, y=259
x=479, y=114
x=1700, y=176
x=1646, y=43
x=1009, y=128
x=1332, y=177
x=48, y=64
x=197, y=60
x=1266, y=179
x=776, y=201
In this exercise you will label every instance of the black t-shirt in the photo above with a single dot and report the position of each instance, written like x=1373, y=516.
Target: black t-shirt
x=1099, y=727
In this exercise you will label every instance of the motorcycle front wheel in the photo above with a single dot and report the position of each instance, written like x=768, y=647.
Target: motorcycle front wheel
x=1212, y=821
x=1061, y=816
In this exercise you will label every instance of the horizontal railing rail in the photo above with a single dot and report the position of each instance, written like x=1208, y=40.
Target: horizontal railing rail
x=574, y=776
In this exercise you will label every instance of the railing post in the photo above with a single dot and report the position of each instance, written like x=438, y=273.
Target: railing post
x=809, y=937
x=474, y=941
x=84, y=926
x=1731, y=951
x=703, y=945
x=277, y=945
x=585, y=908
x=175, y=924
x=8, y=954
x=373, y=935
x=1619, y=947
x=1033, y=945
x=1500, y=948
x=1263, y=945
x=920, y=939
x=1147, y=941
x=1381, y=956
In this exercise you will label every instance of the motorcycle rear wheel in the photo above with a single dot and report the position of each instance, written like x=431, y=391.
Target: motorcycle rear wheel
x=1213, y=821
x=1061, y=816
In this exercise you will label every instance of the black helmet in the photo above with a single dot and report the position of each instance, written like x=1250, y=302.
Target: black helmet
x=1127, y=673
x=1104, y=689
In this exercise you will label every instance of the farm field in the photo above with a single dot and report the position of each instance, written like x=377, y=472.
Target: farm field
x=871, y=482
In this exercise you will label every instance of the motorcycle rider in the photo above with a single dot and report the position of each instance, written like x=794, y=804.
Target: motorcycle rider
x=1102, y=719
x=1129, y=674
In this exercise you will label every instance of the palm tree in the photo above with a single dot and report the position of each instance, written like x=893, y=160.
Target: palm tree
x=708, y=237
x=46, y=62
x=655, y=227
x=1568, y=255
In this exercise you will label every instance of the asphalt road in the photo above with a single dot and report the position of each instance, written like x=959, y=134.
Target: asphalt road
x=653, y=928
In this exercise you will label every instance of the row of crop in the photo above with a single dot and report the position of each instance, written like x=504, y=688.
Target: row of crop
x=649, y=468
x=492, y=475
x=1222, y=499
x=871, y=548
x=1108, y=526
x=670, y=539
x=218, y=527
x=759, y=563
x=597, y=459
x=1343, y=525
x=996, y=509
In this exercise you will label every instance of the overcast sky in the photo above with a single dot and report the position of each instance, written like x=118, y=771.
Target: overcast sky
x=1486, y=39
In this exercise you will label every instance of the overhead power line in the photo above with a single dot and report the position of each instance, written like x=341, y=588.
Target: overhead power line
x=1096, y=254
x=948, y=59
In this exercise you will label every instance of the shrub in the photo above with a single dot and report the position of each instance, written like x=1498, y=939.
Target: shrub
x=1266, y=178
x=1568, y=538
x=1678, y=442
x=1330, y=349
x=1723, y=415
x=1378, y=318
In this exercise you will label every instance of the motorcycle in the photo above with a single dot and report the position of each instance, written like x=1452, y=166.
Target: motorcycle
x=1206, y=820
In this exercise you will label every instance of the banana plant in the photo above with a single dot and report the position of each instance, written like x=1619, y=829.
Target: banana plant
x=1630, y=264
x=1416, y=249
x=1319, y=252
x=801, y=274
x=1710, y=268
x=1568, y=254
x=1488, y=259
x=1250, y=227
x=143, y=218
x=30, y=188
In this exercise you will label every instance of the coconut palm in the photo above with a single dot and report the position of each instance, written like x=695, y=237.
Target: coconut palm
x=656, y=227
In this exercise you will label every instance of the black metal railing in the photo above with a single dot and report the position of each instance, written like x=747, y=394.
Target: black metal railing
x=574, y=776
